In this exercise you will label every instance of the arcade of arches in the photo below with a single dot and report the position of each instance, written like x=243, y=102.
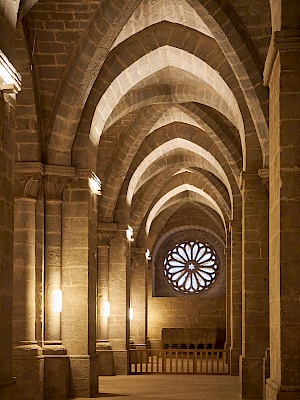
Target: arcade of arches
x=149, y=160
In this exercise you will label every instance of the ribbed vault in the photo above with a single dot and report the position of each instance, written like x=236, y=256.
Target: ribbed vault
x=163, y=100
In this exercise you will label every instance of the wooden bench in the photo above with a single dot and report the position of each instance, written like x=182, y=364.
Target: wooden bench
x=193, y=338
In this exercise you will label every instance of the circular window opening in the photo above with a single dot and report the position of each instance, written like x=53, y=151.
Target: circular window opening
x=191, y=267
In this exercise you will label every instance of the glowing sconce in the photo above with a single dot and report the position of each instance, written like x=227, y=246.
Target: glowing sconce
x=106, y=309
x=131, y=313
x=10, y=79
x=148, y=255
x=129, y=234
x=95, y=185
x=57, y=301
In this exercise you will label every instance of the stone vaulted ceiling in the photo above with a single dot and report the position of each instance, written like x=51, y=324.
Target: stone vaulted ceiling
x=162, y=99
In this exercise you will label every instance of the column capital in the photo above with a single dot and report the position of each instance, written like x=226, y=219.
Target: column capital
x=127, y=231
x=247, y=176
x=264, y=175
x=27, y=179
x=280, y=41
x=90, y=176
x=140, y=252
x=105, y=232
x=59, y=170
x=235, y=223
x=55, y=179
x=287, y=39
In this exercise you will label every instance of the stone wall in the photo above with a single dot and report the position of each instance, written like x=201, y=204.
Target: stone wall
x=8, y=19
x=6, y=240
x=188, y=312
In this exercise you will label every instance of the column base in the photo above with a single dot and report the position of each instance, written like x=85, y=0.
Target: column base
x=8, y=389
x=235, y=354
x=276, y=392
x=57, y=371
x=84, y=372
x=105, y=358
x=121, y=362
x=251, y=378
x=28, y=367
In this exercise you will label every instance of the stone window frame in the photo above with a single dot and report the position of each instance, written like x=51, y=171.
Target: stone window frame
x=191, y=266
x=160, y=285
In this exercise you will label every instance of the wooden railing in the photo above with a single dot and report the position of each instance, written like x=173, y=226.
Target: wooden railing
x=179, y=361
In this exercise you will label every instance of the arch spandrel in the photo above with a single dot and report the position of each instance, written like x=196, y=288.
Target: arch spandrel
x=151, y=12
x=83, y=67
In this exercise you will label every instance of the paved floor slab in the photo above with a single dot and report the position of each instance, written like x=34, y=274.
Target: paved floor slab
x=167, y=387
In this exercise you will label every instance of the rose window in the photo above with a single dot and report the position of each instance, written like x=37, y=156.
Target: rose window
x=191, y=267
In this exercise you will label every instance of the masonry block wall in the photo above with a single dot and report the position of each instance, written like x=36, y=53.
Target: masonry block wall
x=8, y=20
x=6, y=241
x=8, y=15
x=171, y=104
x=184, y=313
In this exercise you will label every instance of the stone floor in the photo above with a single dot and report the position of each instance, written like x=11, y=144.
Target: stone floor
x=175, y=387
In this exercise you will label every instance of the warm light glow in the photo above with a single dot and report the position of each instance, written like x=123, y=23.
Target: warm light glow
x=129, y=234
x=130, y=313
x=57, y=301
x=106, y=309
x=95, y=186
x=10, y=79
x=4, y=75
x=148, y=255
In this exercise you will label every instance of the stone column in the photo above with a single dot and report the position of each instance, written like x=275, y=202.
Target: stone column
x=138, y=295
x=28, y=364
x=236, y=295
x=79, y=278
x=228, y=291
x=255, y=285
x=56, y=382
x=119, y=274
x=284, y=382
x=104, y=349
x=7, y=152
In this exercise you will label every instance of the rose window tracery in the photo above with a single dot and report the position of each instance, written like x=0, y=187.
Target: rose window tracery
x=191, y=267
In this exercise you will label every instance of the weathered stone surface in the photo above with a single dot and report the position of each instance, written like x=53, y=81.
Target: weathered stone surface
x=165, y=101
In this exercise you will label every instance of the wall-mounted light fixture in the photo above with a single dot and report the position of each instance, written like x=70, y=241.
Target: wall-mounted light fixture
x=106, y=309
x=129, y=234
x=57, y=301
x=10, y=79
x=95, y=185
x=131, y=313
x=148, y=255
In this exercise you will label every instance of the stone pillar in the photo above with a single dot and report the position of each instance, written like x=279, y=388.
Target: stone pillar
x=28, y=363
x=79, y=277
x=138, y=295
x=236, y=295
x=56, y=381
x=7, y=151
x=284, y=382
x=255, y=285
x=228, y=291
x=103, y=346
x=119, y=274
